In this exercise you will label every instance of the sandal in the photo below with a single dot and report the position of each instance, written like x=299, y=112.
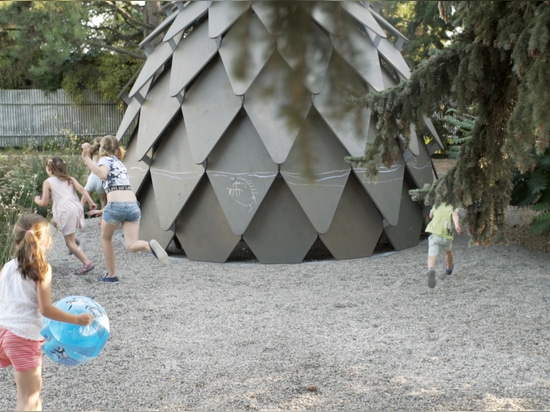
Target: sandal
x=84, y=269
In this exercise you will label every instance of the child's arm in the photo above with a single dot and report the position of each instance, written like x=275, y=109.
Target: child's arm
x=100, y=171
x=85, y=195
x=47, y=309
x=44, y=200
x=456, y=221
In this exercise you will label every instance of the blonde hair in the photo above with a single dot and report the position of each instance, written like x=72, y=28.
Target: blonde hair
x=32, y=237
x=110, y=147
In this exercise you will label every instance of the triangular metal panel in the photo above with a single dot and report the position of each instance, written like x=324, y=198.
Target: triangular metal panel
x=387, y=26
x=280, y=231
x=149, y=227
x=433, y=132
x=242, y=62
x=192, y=54
x=420, y=167
x=356, y=227
x=209, y=108
x=406, y=233
x=191, y=12
x=159, y=56
x=174, y=174
x=201, y=217
x=240, y=186
x=387, y=78
x=414, y=141
x=329, y=15
x=264, y=104
x=222, y=14
x=385, y=189
x=361, y=54
x=392, y=55
x=351, y=123
x=129, y=116
x=364, y=16
x=157, y=111
x=273, y=17
x=137, y=168
x=317, y=59
x=319, y=188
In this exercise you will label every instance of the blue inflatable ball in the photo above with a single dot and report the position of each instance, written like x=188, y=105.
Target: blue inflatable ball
x=70, y=344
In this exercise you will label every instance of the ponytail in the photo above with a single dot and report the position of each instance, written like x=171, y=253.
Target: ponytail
x=32, y=237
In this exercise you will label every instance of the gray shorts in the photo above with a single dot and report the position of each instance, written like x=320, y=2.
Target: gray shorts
x=438, y=244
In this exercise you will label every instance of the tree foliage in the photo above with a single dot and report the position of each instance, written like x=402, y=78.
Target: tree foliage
x=74, y=45
x=497, y=62
x=420, y=23
x=532, y=189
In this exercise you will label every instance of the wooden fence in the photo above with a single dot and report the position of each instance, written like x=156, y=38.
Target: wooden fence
x=34, y=117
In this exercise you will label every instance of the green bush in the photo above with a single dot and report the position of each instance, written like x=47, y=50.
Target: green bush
x=21, y=176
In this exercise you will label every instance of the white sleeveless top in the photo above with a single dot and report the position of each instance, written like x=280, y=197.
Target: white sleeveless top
x=19, y=311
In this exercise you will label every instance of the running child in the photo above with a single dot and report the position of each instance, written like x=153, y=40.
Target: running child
x=25, y=296
x=67, y=209
x=94, y=184
x=122, y=206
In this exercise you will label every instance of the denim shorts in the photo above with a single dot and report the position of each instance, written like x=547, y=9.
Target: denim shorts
x=116, y=213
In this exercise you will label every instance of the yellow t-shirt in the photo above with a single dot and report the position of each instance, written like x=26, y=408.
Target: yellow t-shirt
x=442, y=221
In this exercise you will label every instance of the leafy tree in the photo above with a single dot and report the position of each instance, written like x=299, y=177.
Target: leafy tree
x=38, y=39
x=532, y=189
x=73, y=45
x=461, y=126
x=497, y=62
x=420, y=23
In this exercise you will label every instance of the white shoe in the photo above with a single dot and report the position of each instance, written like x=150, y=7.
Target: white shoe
x=158, y=251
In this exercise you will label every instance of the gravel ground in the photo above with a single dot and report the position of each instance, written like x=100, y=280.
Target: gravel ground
x=362, y=334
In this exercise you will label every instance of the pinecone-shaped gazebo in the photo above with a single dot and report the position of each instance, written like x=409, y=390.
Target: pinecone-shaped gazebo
x=232, y=104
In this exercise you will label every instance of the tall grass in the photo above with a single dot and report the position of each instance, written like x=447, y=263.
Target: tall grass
x=22, y=173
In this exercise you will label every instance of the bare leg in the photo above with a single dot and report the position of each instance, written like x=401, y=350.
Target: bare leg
x=431, y=262
x=131, y=233
x=107, y=231
x=449, y=259
x=431, y=271
x=29, y=384
x=70, y=241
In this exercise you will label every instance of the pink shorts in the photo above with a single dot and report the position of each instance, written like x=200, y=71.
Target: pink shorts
x=23, y=354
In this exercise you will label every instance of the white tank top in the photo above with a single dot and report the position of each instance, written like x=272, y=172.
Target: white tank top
x=19, y=311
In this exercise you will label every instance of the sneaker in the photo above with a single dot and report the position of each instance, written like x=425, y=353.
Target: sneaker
x=158, y=251
x=449, y=271
x=431, y=278
x=105, y=278
x=85, y=269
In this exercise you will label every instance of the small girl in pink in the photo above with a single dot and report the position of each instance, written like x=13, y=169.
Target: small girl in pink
x=25, y=297
x=67, y=209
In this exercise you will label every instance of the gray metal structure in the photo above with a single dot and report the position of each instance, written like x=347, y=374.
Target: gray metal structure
x=214, y=162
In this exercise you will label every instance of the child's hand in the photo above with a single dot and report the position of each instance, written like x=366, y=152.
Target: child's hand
x=85, y=149
x=85, y=319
